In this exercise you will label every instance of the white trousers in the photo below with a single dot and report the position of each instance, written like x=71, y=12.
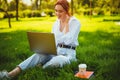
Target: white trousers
x=64, y=57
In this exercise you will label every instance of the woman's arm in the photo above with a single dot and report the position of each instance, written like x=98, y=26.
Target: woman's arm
x=72, y=35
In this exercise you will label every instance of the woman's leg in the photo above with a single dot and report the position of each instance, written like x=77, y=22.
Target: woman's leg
x=30, y=62
x=14, y=72
x=57, y=61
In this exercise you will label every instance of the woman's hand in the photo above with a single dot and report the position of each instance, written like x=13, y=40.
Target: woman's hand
x=67, y=19
x=66, y=24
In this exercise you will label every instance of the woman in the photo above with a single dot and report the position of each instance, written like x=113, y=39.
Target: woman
x=66, y=30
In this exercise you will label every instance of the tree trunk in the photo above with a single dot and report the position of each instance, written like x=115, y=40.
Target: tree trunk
x=40, y=5
x=9, y=22
x=71, y=7
x=8, y=19
x=90, y=9
x=17, y=2
x=36, y=4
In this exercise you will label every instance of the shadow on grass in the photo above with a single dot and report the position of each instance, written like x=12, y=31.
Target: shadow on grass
x=5, y=28
x=114, y=20
x=34, y=19
x=99, y=50
x=12, y=46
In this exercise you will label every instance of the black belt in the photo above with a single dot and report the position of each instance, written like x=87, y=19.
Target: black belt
x=66, y=46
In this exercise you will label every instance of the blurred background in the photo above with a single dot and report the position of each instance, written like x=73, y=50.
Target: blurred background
x=40, y=8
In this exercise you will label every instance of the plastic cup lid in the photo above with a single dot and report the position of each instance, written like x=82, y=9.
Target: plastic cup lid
x=82, y=66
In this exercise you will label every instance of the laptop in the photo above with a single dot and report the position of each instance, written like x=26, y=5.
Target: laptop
x=43, y=43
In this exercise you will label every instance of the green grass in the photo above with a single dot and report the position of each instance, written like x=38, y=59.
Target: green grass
x=99, y=48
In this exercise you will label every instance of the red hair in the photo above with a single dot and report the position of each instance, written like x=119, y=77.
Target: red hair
x=64, y=4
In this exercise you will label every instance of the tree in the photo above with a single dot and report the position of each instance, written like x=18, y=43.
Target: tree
x=36, y=4
x=40, y=4
x=17, y=3
x=4, y=9
x=72, y=7
x=12, y=6
x=114, y=6
x=7, y=16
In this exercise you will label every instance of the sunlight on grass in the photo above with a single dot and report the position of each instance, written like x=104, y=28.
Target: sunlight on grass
x=96, y=25
x=46, y=23
x=38, y=24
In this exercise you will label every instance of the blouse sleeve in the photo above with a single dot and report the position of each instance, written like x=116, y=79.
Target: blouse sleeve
x=72, y=35
x=53, y=28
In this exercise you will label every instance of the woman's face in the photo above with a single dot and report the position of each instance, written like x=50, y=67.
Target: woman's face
x=60, y=12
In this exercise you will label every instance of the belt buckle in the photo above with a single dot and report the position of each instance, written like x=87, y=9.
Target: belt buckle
x=71, y=47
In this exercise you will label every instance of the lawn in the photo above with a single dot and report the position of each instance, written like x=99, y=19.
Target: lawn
x=99, y=48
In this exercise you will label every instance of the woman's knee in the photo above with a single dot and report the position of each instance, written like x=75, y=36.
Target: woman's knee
x=58, y=61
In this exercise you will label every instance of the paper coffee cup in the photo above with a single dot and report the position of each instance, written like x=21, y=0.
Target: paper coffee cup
x=82, y=68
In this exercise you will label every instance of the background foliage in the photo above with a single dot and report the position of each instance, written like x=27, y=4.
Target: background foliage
x=82, y=7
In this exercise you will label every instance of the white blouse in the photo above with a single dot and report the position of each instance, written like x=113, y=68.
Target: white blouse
x=71, y=37
x=64, y=55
